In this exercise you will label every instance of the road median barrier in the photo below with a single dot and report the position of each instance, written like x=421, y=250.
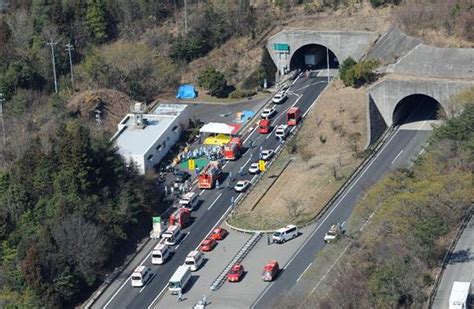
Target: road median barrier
x=238, y=258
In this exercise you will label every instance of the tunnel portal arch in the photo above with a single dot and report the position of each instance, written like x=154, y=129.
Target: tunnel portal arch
x=313, y=56
x=417, y=107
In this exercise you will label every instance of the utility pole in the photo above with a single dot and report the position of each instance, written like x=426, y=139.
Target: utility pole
x=327, y=60
x=185, y=16
x=2, y=100
x=51, y=44
x=70, y=48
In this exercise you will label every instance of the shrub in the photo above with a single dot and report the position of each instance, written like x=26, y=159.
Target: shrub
x=213, y=81
x=357, y=74
x=377, y=3
x=240, y=93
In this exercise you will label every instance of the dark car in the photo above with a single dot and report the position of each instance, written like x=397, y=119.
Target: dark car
x=181, y=176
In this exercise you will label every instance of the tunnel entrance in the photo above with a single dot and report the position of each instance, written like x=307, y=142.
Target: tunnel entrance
x=314, y=57
x=417, y=107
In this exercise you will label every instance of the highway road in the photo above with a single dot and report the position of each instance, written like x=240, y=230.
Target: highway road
x=214, y=206
x=399, y=150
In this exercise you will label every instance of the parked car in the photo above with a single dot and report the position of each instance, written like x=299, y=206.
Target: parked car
x=253, y=168
x=270, y=271
x=279, y=97
x=242, y=185
x=235, y=273
x=268, y=113
x=267, y=154
x=218, y=233
x=207, y=245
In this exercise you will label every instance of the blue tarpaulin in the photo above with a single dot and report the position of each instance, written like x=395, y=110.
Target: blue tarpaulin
x=186, y=92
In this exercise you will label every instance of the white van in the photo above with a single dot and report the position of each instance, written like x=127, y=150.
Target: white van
x=140, y=276
x=172, y=235
x=160, y=254
x=194, y=260
x=282, y=131
x=189, y=200
x=285, y=234
x=179, y=279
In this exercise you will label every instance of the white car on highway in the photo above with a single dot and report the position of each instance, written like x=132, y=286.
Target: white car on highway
x=279, y=97
x=282, y=131
x=267, y=154
x=242, y=185
x=268, y=113
x=253, y=169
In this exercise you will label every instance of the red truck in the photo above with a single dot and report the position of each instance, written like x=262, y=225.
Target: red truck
x=181, y=217
x=264, y=126
x=293, y=116
x=232, y=149
x=208, y=176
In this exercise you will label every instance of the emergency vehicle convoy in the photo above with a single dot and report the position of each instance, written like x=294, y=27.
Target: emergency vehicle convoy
x=208, y=176
x=232, y=149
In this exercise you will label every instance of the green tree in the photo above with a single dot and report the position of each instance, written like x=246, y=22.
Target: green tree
x=96, y=20
x=357, y=74
x=213, y=81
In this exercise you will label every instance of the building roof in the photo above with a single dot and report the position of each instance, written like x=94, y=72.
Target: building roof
x=218, y=128
x=136, y=141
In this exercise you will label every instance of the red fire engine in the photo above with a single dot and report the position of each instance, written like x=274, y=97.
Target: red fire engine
x=181, y=217
x=293, y=116
x=232, y=149
x=209, y=175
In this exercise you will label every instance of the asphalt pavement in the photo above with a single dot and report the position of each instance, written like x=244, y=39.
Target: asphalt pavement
x=214, y=206
x=460, y=267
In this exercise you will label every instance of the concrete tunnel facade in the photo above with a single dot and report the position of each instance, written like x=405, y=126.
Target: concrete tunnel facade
x=341, y=43
x=384, y=97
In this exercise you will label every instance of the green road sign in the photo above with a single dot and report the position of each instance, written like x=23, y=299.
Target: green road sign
x=156, y=219
x=281, y=47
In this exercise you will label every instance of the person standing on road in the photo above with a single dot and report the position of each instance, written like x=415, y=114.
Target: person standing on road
x=241, y=171
x=230, y=176
x=180, y=296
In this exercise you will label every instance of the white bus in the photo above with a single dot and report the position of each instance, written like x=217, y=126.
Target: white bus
x=179, y=279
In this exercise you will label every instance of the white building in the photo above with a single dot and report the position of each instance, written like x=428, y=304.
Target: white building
x=147, y=138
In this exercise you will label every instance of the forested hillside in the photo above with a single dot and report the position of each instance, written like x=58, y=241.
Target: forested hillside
x=67, y=211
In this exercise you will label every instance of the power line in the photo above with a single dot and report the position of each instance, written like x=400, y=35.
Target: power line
x=70, y=48
x=51, y=44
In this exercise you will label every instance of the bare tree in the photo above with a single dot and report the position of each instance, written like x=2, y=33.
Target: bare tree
x=81, y=241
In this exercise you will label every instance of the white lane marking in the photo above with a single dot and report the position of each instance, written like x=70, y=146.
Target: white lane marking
x=247, y=162
x=121, y=287
x=146, y=283
x=156, y=298
x=304, y=87
x=185, y=235
x=329, y=214
x=202, y=192
x=421, y=152
x=251, y=133
x=304, y=272
x=214, y=201
x=397, y=157
x=225, y=164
